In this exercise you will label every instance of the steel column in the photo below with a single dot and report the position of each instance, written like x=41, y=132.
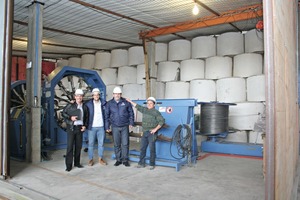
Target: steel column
x=33, y=82
x=6, y=8
x=270, y=99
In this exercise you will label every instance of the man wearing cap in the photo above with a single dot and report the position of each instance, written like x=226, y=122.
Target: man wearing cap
x=119, y=115
x=152, y=121
x=95, y=127
x=76, y=116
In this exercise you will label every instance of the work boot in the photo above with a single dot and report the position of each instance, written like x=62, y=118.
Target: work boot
x=140, y=166
x=126, y=163
x=91, y=163
x=117, y=163
x=102, y=162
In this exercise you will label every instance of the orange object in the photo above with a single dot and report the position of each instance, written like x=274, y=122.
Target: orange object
x=260, y=25
x=240, y=14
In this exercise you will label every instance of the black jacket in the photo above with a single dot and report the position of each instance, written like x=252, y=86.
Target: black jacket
x=67, y=117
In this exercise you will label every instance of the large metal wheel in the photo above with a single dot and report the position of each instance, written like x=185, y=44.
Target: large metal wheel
x=64, y=93
x=18, y=96
x=58, y=92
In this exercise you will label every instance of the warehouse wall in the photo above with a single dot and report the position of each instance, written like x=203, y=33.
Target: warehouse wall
x=281, y=72
x=18, y=68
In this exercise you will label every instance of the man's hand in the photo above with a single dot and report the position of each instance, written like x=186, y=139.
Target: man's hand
x=74, y=118
x=153, y=131
x=83, y=128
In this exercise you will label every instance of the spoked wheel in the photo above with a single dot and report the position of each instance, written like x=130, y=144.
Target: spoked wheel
x=64, y=93
x=18, y=97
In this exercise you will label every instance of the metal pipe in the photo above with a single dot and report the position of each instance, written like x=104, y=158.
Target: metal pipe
x=270, y=99
x=6, y=81
x=21, y=135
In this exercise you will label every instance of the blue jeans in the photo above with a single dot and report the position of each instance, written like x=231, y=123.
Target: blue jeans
x=96, y=132
x=121, y=143
x=85, y=138
x=148, y=139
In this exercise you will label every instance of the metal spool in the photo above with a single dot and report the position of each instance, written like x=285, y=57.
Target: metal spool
x=214, y=118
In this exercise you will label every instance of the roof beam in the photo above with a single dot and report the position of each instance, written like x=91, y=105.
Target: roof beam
x=77, y=34
x=240, y=14
x=214, y=12
x=116, y=14
x=111, y=12
x=48, y=52
x=60, y=45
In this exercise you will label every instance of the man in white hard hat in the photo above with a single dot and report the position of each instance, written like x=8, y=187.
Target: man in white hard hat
x=152, y=121
x=119, y=116
x=95, y=127
x=76, y=116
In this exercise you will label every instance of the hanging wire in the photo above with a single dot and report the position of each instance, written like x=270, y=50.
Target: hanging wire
x=182, y=139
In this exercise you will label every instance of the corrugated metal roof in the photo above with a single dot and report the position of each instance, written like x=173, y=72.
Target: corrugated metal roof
x=93, y=25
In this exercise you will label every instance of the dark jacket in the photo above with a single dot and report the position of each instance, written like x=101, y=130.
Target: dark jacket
x=90, y=105
x=118, y=114
x=67, y=116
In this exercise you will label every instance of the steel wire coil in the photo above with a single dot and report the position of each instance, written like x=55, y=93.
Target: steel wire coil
x=214, y=118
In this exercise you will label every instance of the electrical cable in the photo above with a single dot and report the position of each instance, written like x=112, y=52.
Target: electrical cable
x=182, y=139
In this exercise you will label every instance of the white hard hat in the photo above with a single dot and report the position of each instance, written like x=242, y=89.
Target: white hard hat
x=95, y=90
x=117, y=90
x=152, y=99
x=79, y=92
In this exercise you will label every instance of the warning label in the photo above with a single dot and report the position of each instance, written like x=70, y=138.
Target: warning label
x=162, y=109
x=169, y=110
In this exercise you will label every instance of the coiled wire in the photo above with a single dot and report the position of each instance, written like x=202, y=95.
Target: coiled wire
x=182, y=139
x=214, y=118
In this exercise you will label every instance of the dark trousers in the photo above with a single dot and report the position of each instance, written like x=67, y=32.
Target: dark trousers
x=74, y=139
x=121, y=143
x=148, y=139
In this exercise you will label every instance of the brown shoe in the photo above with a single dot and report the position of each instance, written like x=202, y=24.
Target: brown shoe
x=102, y=162
x=91, y=163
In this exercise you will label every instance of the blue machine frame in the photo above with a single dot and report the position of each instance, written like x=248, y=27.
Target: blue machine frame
x=57, y=135
x=17, y=131
x=176, y=112
x=215, y=144
x=50, y=129
x=245, y=149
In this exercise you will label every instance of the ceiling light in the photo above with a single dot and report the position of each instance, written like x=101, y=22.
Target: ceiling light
x=195, y=10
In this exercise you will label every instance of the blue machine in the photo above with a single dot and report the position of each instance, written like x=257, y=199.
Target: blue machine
x=215, y=145
x=62, y=83
x=58, y=90
x=217, y=133
x=181, y=148
x=18, y=120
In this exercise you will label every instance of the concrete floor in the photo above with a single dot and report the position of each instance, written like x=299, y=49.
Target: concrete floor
x=212, y=178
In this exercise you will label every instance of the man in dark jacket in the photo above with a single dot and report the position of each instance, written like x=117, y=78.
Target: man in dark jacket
x=95, y=126
x=119, y=115
x=76, y=116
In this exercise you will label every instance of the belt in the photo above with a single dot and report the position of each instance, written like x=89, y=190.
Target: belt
x=78, y=126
